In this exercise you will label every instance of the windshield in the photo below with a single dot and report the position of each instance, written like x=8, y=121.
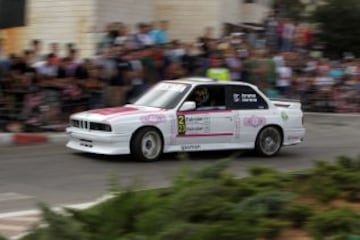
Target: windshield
x=163, y=95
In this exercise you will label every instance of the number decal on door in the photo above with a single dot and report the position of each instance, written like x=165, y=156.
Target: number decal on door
x=181, y=125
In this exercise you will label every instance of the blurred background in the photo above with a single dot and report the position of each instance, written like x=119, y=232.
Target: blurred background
x=60, y=57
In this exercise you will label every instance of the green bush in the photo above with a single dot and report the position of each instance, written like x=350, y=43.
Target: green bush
x=241, y=228
x=298, y=215
x=267, y=204
x=213, y=205
x=271, y=228
x=261, y=170
x=331, y=181
x=334, y=223
x=182, y=231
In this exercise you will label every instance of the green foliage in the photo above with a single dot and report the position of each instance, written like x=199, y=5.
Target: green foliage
x=338, y=20
x=271, y=228
x=261, y=170
x=268, y=180
x=182, y=231
x=59, y=227
x=213, y=205
x=238, y=229
x=267, y=204
x=298, y=215
x=334, y=223
x=342, y=179
x=291, y=8
x=214, y=171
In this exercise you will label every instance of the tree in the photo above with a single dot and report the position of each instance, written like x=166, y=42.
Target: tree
x=338, y=24
x=293, y=9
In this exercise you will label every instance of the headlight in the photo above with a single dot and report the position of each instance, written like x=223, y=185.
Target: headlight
x=100, y=127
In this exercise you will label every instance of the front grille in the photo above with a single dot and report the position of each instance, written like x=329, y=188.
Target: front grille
x=90, y=125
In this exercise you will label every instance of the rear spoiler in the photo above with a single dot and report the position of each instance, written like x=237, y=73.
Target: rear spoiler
x=286, y=103
x=285, y=100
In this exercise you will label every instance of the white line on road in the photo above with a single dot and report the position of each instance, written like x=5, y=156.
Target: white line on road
x=11, y=196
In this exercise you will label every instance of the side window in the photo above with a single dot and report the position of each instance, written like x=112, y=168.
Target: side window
x=208, y=97
x=244, y=97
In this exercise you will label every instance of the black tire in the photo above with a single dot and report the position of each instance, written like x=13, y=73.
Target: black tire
x=269, y=141
x=147, y=150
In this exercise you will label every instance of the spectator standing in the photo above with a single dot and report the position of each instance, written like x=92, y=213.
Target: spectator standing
x=54, y=49
x=49, y=69
x=2, y=53
x=206, y=40
x=124, y=36
x=234, y=64
x=288, y=35
x=191, y=60
x=284, y=80
x=142, y=37
x=136, y=74
x=118, y=87
x=271, y=25
x=36, y=48
x=160, y=36
x=217, y=70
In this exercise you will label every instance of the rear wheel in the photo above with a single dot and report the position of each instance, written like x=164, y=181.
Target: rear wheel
x=147, y=145
x=269, y=141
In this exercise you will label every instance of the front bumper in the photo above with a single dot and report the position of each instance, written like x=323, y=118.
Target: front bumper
x=98, y=142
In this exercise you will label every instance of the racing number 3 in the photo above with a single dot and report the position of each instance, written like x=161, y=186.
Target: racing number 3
x=181, y=124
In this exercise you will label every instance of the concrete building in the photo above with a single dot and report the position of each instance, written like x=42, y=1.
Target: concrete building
x=76, y=21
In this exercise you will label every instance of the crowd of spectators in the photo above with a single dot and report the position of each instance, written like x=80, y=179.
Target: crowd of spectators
x=39, y=92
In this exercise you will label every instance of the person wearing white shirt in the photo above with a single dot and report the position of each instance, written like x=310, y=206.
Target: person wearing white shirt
x=283, y=82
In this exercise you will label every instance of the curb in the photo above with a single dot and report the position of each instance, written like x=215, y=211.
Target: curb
x=9, y=139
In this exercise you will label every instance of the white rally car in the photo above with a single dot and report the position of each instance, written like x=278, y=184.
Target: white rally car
x=191, y=114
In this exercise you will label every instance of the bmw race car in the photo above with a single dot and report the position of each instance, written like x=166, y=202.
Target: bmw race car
x=190, y=114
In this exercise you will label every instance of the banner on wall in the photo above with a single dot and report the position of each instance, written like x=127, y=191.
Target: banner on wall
x=12, y=13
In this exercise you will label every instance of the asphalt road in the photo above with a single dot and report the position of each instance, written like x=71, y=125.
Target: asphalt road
x=52, y=174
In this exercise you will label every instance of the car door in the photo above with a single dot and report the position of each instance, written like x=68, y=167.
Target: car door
x=210, y=123
x=251, y=111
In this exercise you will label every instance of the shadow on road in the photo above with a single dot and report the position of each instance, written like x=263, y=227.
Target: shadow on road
x=193, y=156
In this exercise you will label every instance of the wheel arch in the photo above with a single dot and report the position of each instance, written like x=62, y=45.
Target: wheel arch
x=147, y=126
x=276, y=126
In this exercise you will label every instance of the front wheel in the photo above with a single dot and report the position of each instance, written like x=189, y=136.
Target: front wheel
x=147, y=145
x=269, y=141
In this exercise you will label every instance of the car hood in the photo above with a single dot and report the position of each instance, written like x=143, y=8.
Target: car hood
x=109, y=114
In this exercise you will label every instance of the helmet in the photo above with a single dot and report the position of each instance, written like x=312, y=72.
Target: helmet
x=201, y=95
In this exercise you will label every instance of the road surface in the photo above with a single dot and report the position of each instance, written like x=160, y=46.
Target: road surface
x=55, y=175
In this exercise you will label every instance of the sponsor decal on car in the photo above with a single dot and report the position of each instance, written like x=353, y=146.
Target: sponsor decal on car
x=254, y=121
x=153, y=119
x=171, y=87
x=191, y=147
x=284, y=116
x=193, y=124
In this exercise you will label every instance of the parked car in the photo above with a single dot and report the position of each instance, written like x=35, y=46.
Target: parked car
x=191, y=114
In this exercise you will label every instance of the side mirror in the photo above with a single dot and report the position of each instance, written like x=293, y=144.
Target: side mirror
x=188, y=106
